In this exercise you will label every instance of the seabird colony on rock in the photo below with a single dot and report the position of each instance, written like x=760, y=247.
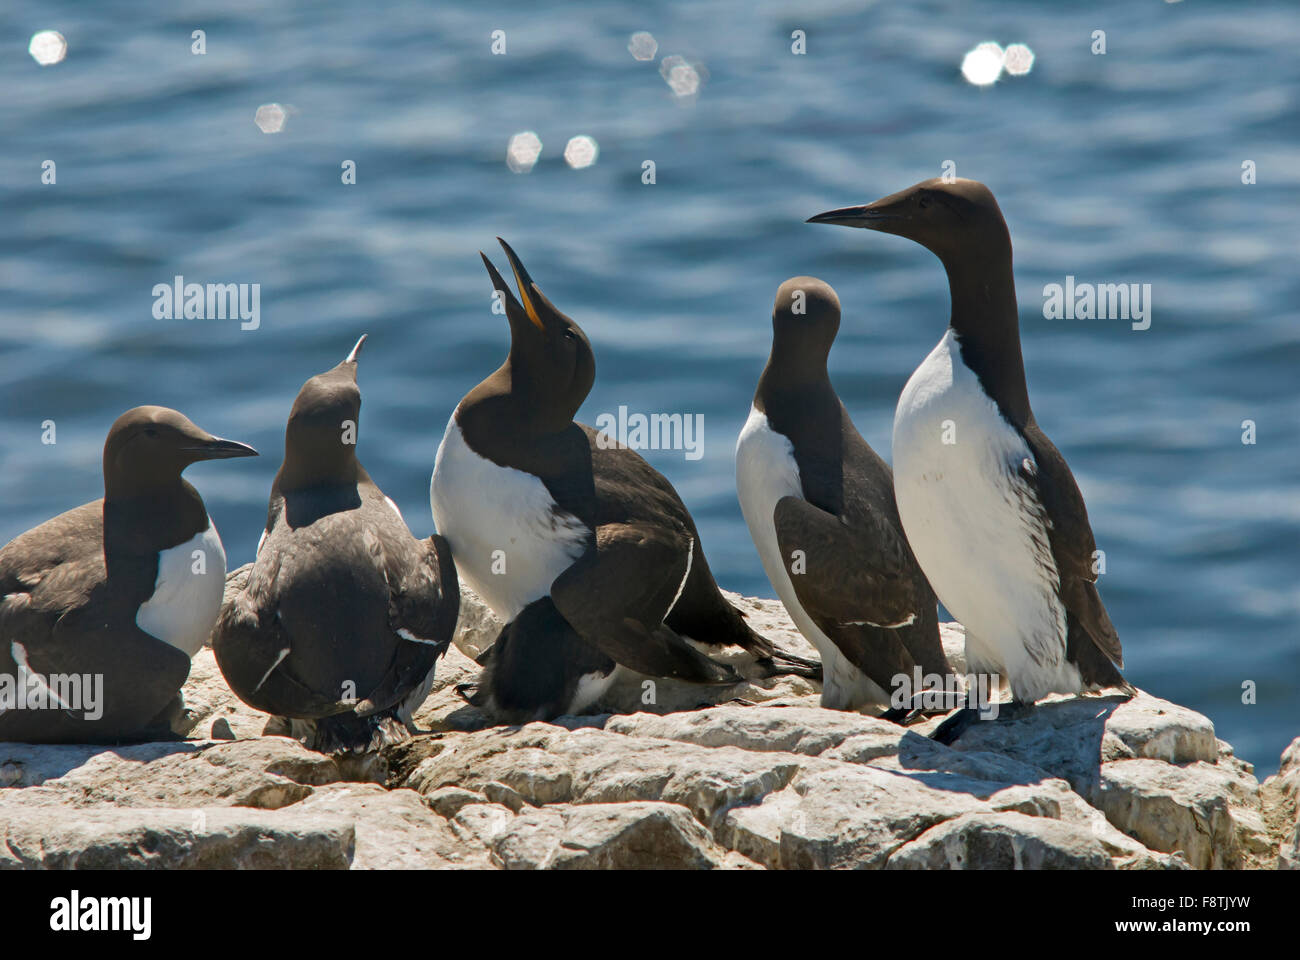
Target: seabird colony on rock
x=585, y=551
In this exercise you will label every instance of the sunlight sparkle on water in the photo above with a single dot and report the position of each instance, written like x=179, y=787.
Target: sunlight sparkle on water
x=523, y=151
x=48, y=47
x=581, y=151
x=983, y=65
x=682, y=77
x=270, y=118
x=1018, y=59
x=643, y=45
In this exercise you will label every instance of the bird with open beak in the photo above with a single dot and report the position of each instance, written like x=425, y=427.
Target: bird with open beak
x=584, y=549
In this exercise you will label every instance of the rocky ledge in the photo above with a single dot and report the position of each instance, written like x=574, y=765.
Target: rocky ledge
x=766, y=779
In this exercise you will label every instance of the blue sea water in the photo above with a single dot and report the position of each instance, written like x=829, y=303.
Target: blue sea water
x=1122, y=167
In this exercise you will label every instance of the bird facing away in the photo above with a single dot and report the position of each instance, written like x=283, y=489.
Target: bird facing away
x=992, y=512
x=819, y=504
x=580, y=545
x=102, y=607
x=344, y=613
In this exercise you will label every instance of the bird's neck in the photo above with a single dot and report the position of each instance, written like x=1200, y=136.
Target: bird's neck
x=517, y=402
x=808, y=382
x=145, y=521
x=797, y=401
x=165, y=490
x=987, y=325
x=302, y=471
x=797, y=364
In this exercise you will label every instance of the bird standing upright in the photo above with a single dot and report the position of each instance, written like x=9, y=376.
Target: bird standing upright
x=989, y=505
x=819, y=504
x=344, y=613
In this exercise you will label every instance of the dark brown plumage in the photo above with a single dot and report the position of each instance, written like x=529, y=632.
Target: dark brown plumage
x=71, y=589
x=640, y=582
x=858, y=580
x=344, y=613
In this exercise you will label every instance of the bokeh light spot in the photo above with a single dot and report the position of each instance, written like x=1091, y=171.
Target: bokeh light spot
x=682, y=77
x=1018, y=60
x=270, y=118
x=580, y=152
x=983, y=65
x=643, y=45
x=523, y=151
x=48, y=47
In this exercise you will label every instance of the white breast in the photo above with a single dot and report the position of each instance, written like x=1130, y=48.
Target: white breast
x=509, y=540
x=766, y=471
x=591, y=687
x=977, y=530
x=187, y=593
x=415, y=699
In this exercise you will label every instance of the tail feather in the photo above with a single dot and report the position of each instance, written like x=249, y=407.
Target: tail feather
x=1096, y=668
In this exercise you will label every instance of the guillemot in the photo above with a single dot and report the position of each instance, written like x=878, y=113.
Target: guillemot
x=109, y=601
x=580, y=545
x=989, y=505
x=819, y=504
x=345, y=612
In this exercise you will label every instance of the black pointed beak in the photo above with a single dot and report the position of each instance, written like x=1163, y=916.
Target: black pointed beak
x=498, y=281
x=512, y=304
x=525, y=284
x=521, y=275
x=219, y=449
x=867, y=215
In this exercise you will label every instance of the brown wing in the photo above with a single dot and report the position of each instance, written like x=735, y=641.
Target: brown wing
x=1073, y=546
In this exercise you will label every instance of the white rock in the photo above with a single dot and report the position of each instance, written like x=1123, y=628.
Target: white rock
x=1169, y=808
x=394, y=829
x=608, y=836
x=1092, y=782
x=1002, y=841
x=153, y=838
x=841, y=816
x=806, y=730
x=1281, y=793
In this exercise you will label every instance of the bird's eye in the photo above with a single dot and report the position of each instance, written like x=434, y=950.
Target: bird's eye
x=569, y=334
x=150, y=432
x=924, y=201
